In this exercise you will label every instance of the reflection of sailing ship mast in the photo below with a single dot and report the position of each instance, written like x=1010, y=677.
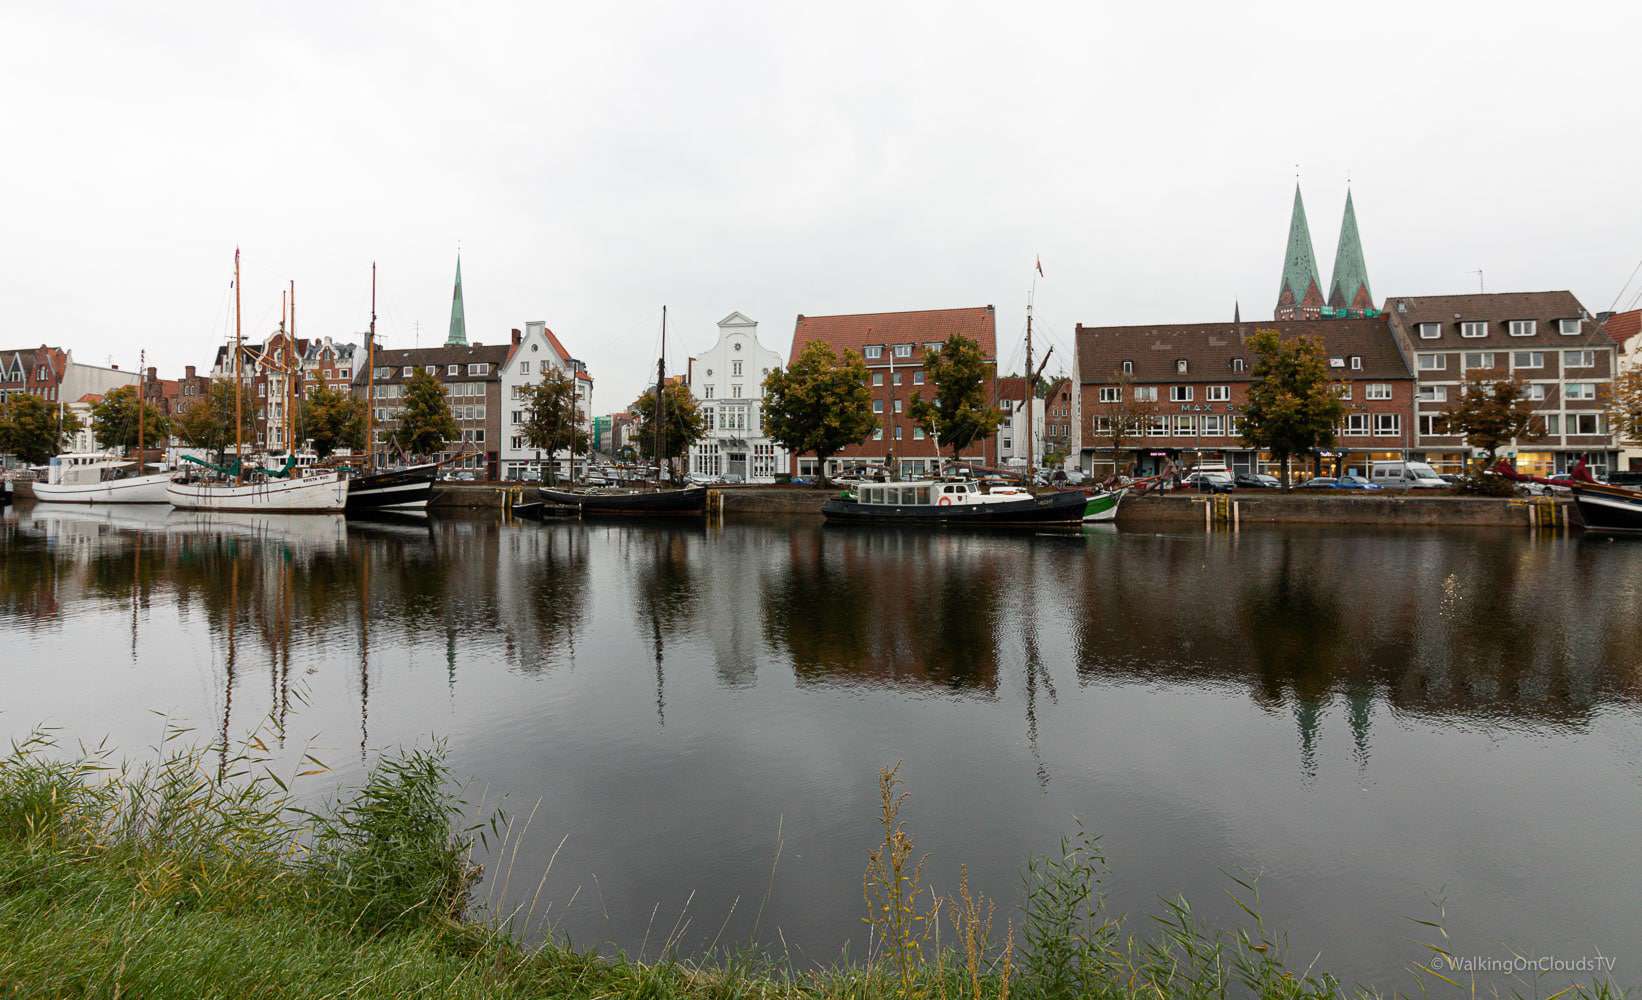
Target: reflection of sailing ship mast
x=1034, y=669
x=364, y=647
x=229, y=663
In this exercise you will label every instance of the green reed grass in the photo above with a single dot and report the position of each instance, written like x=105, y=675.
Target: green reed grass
x=194, y=875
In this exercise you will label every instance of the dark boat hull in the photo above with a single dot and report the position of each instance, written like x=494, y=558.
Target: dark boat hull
x=688, y=502
x=1053, y=509
x=396, y=490
x=1609, y=508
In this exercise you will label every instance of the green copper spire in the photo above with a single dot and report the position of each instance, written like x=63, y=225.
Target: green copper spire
x=1300, y=294
x=1349, y=287
x=458, y=336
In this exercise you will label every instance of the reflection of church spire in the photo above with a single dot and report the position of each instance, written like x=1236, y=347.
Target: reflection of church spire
x=1360, y=711
x=1308, y=713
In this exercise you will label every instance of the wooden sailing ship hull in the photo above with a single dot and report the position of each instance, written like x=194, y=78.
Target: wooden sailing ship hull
x=1102, y=507
x=1608, y=508
x=400, y=489
x=1053, y=509
x=137, y=489
x=326, y=493
x=688, y=502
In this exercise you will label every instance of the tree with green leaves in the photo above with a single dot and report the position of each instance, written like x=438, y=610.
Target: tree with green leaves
x=820, y=404
x=681, y=423
x=34, y=429
x=1491, y=413
x=209, y=423
x=426, y=424
x=1625, y=407
x=553, y=417
x=961, y=411
x=1294, y=402
x=114, y=420
x=1120, y=415
x=333, y=419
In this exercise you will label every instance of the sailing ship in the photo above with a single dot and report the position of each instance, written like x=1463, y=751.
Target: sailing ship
x=1101, y=505
x=687, y=501
x=953, y=503
x=324, y=492
x=1602, y=507
x=409, y=488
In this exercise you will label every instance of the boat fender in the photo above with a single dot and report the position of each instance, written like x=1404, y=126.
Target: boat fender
x=945, y=502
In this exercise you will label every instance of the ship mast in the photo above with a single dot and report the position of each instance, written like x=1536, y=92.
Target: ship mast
x=142, y=372
x=370, y=382
x=661, y=385
x=290, y=383
x=239, y=388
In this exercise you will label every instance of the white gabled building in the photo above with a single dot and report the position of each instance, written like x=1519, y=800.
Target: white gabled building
x=727, y=381
x=534, y=352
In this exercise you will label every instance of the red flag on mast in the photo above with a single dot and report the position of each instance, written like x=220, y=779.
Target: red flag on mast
x=1039, y=262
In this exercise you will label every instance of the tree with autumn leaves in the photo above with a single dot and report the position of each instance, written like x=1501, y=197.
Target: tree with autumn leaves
x=961, y=411
x=819, y=404
x=1294, y=401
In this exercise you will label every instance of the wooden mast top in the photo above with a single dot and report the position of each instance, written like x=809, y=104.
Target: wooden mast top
x=142, y=402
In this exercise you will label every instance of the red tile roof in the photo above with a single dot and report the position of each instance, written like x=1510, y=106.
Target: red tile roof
x=552, y=339
x=1621, y=327
x=860, y=330
x=1012, y=387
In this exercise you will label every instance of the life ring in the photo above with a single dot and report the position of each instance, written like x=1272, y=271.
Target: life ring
x=945, y=502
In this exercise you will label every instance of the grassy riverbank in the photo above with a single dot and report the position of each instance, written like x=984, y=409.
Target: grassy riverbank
x=191, y=876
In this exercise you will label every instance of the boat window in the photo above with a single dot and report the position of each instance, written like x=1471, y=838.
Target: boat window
x=922, y=495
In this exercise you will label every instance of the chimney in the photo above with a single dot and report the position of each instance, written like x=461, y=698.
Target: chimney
x=190, y=371
x=151, y=371
x=516, y=336
x=115, y=367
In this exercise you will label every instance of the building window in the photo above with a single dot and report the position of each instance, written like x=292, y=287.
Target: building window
x=1433, y=394
x=1356, y=362
x=895, y=378
x=903, y=350
x=1433, y=362
x=1474, y=329
x=1584, y=423
x=1145, y=393
x=1430, y=331
x=1535, y=391
x=478, y=369
x=917, y=434
x=1185, y=426
x=877, y=378
x=451, y=371
x=706, y=392
x=1568, y=327
x=1434, y=425
x=917, y=378
x=1128, y=367
x=1523, y=327
x=1479, y=359
x=524, y=368
x=735, y=392
x=877, y=406
x=518, y=416
x=930, y=347
x=409, y=371
x=878, y=435
x=433, y=370
x=1528, y=359
x=1157, y=426
x=344, y=373
x=1111, y=394
x=897, y=406
x=1217, y=393
x=1180, y=366
x=1180, y=393
x=1377, y=390
x=1356, y=425
x=873, y=352
x=1553, y=424
x=1579, y=390
x=1388, y=424
x=898, y=433
x=1214, y=425
x=1579, y=359
x=1343, y=390
x=735, y=368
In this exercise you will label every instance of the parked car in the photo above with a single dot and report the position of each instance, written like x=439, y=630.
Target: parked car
x=1317, y=483
x=733, y=479
x=1209, y=482
x=1405, y=476
x=1350, y=482
x=802, y=481
x=1255, y=481
x=701, y=479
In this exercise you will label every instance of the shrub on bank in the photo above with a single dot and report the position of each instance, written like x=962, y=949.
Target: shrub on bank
x=194, y=876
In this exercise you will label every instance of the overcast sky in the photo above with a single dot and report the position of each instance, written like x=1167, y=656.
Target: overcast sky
x=595, y=161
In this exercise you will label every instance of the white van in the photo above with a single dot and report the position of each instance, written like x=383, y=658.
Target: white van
x=1406, y=476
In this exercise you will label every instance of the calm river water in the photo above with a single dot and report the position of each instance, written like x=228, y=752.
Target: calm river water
x=1370, y=721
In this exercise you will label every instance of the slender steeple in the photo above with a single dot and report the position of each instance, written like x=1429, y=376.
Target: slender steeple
x=1348, y=289
x=458, y=336
x=1300, y=294
x=1237, y=312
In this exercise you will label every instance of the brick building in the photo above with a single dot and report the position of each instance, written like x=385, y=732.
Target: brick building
x=1545, y=338
x=894, y=347
x=1058, y=410
x=1186, y=385
x=472, y=378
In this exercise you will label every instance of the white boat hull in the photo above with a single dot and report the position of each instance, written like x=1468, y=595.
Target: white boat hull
x=137, y=489
x=322, y=494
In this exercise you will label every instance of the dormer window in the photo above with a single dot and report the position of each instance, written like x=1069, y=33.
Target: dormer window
x=409, y=371
x=1568, y=327
x=1237, y=364
x=1356, y=363
x=1430, y=331
x=873, y=352
x=1474, y=329
x=1128, y=367
x=1523, y=327
x=932, y=346
x=1180, y=366
x=903, y=350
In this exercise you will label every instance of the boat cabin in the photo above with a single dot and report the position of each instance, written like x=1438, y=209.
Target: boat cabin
x=919, y=494
x=87, y=468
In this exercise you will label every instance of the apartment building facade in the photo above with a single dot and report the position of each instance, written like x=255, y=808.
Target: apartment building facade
x=1546, y=339
x=535, y=352
x=727, y=381
x=471, y=377
x=1182, y=388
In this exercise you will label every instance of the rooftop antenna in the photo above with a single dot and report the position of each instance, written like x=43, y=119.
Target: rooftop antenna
x=1480, y=286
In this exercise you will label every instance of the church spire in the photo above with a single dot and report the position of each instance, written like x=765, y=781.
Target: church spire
x=1300, y=293
x=1349, y=289
x=458, y=336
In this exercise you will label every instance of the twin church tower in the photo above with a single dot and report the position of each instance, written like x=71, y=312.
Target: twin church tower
x=1300, y=295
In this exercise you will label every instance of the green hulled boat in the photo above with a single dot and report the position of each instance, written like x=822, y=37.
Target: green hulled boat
x=1102, y=505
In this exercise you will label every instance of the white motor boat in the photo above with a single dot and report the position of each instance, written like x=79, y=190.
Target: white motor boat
x=99, y=477
x=320, y=493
